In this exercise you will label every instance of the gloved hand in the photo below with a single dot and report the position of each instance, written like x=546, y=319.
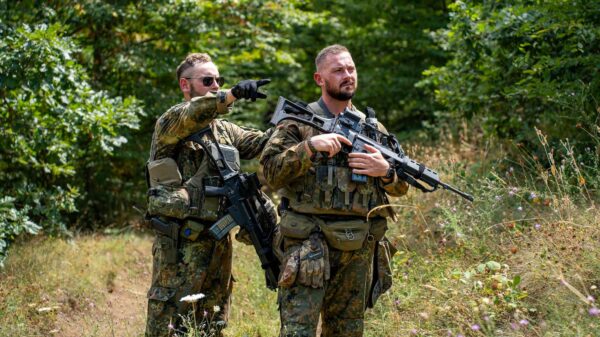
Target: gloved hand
x=290, y=269
x=314, y=262
x=248, y=89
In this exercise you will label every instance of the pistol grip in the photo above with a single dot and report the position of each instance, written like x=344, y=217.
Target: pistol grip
x=220, y=228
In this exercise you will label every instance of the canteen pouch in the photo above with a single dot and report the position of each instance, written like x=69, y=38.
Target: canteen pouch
x=346, y=235
x=296, y=226
x=164, y=172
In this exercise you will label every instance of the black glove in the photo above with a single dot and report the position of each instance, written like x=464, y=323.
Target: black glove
x=248, y=89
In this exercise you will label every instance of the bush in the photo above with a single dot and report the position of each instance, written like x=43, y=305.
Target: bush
x=56, y=131
x=522, y=64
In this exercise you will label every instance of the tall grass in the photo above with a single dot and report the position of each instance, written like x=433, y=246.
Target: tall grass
x=522, y=260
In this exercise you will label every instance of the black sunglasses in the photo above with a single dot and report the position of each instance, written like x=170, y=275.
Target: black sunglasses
x=208, y=80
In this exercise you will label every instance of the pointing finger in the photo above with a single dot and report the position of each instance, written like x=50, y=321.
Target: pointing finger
x=262, y=82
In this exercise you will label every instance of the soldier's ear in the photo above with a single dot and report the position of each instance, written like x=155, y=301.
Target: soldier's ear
x=318, y=79
x=184, y=85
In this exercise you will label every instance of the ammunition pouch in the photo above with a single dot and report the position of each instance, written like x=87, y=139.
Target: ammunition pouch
x=328, y=188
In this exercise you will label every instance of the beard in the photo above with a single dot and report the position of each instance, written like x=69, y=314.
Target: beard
x=337, y=93
x=193, y=91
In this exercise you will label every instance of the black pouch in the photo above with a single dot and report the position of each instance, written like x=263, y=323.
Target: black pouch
x=382, y=270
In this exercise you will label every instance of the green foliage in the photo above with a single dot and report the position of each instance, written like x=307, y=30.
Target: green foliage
x=391, y=46
x=522, y=64
x=56, y=131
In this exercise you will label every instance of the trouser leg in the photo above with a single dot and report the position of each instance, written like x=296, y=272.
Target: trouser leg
x=202, y=266
x=345, y=301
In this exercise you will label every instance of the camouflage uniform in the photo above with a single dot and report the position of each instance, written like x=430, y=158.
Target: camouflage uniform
x=199, y=264
x=323, y=198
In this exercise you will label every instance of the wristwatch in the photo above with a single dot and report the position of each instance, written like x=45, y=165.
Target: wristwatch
x=311, y=147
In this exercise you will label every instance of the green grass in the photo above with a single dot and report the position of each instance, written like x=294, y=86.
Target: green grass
x=520, y=261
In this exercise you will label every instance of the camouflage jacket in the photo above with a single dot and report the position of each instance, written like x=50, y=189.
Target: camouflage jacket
x=322, y=186
x=194, y=165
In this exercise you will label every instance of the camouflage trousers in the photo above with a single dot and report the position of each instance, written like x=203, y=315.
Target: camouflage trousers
x=341, y=302
x=201, y=266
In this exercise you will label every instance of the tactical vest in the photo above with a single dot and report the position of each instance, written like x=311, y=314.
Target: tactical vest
x=327, y=188
x=185, y=198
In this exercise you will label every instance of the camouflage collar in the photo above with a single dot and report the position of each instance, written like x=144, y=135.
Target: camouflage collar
x=324, y=111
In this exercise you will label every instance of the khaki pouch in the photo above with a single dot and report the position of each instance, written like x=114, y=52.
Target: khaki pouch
x=164, y=172
x=346, y=235
x=296, y=226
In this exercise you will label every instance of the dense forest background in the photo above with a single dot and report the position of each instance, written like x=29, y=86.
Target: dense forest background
x=82, y=83
x=500, y=97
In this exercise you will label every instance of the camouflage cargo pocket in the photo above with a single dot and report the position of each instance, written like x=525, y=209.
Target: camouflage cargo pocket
x=168, y=201
x=296, y=226
x=346, y=235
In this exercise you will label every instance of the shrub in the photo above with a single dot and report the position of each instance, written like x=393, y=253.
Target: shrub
x=56, y=131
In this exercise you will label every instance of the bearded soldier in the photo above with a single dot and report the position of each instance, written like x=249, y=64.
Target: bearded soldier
x=186, y=260
x=327, y=242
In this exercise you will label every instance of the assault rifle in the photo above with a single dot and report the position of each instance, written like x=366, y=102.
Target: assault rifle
x=350, y=125
x=246, y=208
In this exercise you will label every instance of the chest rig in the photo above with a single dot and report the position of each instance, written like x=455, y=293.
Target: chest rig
x=329, y=187
x=177, y=181
x=199, y=171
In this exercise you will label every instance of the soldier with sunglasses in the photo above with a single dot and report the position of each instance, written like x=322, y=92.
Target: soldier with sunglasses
x=186, y=260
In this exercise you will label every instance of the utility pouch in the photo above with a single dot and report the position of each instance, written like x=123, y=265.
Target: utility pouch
x=168, y=201
x=382, y=270
x=346, y=235
x=164, y=172
x=296, y=226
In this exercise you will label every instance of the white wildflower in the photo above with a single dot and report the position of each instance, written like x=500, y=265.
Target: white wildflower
x=192, y=298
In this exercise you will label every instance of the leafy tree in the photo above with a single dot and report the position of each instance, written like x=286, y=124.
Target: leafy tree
x=517, y=65
x=56, y=133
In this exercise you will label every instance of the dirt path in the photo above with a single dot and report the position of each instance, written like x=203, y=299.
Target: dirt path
x=121, y=309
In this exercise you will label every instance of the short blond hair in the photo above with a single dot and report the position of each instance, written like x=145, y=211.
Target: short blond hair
x=190, y=61
x=329, y=50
